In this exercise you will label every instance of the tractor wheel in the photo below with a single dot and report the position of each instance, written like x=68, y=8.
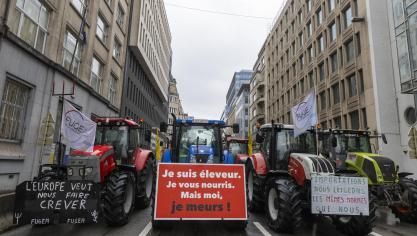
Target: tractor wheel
x=253, y=189
x=144, y=184
x=358, y=225
x=118, y=198
x=283, y=205
x=409, y=195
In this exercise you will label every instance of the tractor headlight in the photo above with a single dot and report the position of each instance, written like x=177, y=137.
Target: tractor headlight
x=88, y=171
x=70, y=172
x=192, y=159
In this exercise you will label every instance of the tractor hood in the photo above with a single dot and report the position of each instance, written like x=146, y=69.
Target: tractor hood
x=98, y=150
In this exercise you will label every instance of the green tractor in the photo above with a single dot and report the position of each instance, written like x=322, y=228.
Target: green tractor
x=351, y=151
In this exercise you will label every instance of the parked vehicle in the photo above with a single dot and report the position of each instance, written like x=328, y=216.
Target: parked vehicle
x=236, y=150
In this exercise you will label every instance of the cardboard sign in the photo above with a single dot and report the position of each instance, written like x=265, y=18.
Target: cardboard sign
x=339, y=195
x=47, y=202
x=200, y=192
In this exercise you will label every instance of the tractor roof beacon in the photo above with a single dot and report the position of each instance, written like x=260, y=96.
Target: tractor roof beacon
x=279, y=179
x=124, y=170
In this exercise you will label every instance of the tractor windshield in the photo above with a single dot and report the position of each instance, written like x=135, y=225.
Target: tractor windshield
x=238, y=148
x=199, y=144
x=352, y=143
x=286, y=143
x=116, y=136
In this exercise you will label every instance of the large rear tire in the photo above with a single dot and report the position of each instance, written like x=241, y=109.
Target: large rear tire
x=253, y=189
x=409, y=195
x=283, y=205
x=158, y=224
x=358, y=225
x=118, y=198
x=144, y=184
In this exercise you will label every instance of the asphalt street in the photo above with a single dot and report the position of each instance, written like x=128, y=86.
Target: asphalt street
x=140, y=225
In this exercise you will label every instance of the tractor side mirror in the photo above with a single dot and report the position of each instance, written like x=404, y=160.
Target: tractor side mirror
x=334, y=142
x=259, y=138
x=235, y=128
x=163, y=127
x=384, y=138
x=147, y=135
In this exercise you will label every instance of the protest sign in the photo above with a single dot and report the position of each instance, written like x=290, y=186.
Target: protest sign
x=339, y=195
x=200, y=191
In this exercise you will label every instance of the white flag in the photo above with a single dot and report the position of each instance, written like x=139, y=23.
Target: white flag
x=77, y=130
x=304, y=114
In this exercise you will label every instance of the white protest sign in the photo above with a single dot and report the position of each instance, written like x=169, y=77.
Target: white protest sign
x=339, y=195
x=304, y=114
x=77, y=130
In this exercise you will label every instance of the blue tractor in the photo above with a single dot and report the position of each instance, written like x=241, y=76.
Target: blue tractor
x=197, y=141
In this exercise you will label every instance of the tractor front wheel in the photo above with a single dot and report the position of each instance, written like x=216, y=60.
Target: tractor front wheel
x=358, y=225
x=409, y=196
x=253, y=189
x=118, y=198
x=144, y=184
x=283, y=205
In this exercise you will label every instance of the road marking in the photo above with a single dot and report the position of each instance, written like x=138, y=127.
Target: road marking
x=375, y=234
x=262, y=229
x=146, y=230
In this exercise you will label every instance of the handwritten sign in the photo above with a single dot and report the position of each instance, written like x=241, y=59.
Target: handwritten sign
x=47, y=202
x=339, y=195
x=200, y=191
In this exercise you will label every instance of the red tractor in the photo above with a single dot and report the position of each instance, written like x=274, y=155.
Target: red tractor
x=124, y=170
x=236, y=150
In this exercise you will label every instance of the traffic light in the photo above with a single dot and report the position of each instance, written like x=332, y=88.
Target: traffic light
x=412, y=142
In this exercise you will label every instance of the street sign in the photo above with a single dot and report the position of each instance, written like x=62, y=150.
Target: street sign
x=412, y=142
x=200, y=192
x=48, y=202
x=339, y=195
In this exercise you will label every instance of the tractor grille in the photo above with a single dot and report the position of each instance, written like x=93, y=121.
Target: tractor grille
x=387, y=167
x=322, y=165
x=369, y=169
x=201, y=158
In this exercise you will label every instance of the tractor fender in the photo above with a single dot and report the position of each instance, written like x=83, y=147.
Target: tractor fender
x=141, y=157
x=258, y=163
x=404, y=174
x=296, y=170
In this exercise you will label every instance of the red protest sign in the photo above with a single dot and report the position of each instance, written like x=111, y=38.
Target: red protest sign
x=200, y=191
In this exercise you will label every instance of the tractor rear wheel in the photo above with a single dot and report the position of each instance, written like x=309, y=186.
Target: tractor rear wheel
x=144, y=184
x=253, y=189
x=409, y=195
x=283, y=205
x=358, y=225
x=118, y=198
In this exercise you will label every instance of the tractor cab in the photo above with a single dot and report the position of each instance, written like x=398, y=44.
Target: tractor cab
x=196, y=141
x=236, y=149
x=278, y=144
x=124, y=135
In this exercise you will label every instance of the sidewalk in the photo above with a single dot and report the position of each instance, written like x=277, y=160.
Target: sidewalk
x=395, y=227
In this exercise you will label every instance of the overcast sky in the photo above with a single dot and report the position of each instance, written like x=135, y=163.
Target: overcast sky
x=208, y=48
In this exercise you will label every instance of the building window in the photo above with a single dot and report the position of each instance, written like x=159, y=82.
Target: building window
x=403, y=57
x=13, y=110
x=337, y=122
x=347, y=17
x=334, y=62
x=412, y=22
x=96, y=74
x=352, y=85
x=319, y=16
x=321, y=72
x=364, y=118
x=302, y=86
x=308, y=3
x=331, y=4
x=358, y=43
x=117, y=47
x=80, y=5
x=354, y=120
x=311, y=79
x=332, y=31
x=246, y=111
x=112, y=89
x=120, y=16
x=102, y=28
x=336, y=94
x=398, y=10
x=322, y=101
x=361, y=81
x=68, y=54
x=350, y=51
x=320, y=44
x=309, y=29
x=32, y=23
x=310, y=54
